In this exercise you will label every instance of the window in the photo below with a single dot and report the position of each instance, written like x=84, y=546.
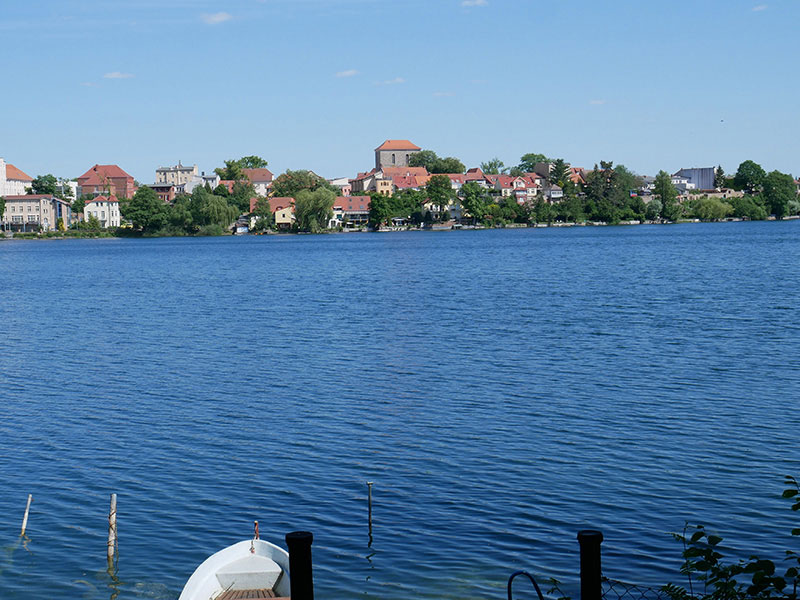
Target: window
x=16, y=219
x=393, y=161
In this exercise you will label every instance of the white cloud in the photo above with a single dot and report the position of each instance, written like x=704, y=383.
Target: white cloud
x=215, y=18
x=394, y=81
x=475, y=3
x=760, y=7
x=597, y=102
x=347, y=73
x=117, y=75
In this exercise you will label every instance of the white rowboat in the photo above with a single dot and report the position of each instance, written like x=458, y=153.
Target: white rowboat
x=248, y=570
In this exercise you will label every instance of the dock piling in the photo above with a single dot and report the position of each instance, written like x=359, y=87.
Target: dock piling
x=112, y=530
x=591, y=573
x=301, y=579
x=25, y=518
x=369, y=510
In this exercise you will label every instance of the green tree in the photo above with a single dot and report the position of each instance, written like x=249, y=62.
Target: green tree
x=474, y=200
x=653, y=209
x=749, y=177
x=719, y=177
x=440, y=191
x=380, y=210
x=252, y=162
x=493, y=166
x=2, y=206
x=434, y=164
x=527, y=162
x=45, y=184
x=243, y=191
x=779, y=190
x=232, y=171
x=748, y=207
x=665, y=191
x=146, y=211
x=263, y=212
x=290, y=183
x=222, y=190
x=79, y=204
x=313, y=209
x=211, y=211
x=559, y=172
x=423, y=158
x=710, y=209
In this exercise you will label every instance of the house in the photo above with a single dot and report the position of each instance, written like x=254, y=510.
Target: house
x=105, y=209
x=167, y=191
x=282, y=208
x=108, y=180
x=177, y=175
x=12, y=180
x=350, y=211
x=700, y=178
x=394, y=153
x=682, y=184
x=31, y=211
x=261, y=180
x=344, y=185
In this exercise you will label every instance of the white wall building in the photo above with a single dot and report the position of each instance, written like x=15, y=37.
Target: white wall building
x=105, y=209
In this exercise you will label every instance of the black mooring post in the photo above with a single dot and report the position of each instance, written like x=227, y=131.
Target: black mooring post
x=300, y=578
x=590, y=541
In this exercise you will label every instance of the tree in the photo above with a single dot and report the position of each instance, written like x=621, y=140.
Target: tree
x=527, y=162
x=2, y=206
x=240, y=198
x=665, y=191
x=779, y=191
x=434, y=164
x=719, y=177
x=290, y=183
x=710, y=209
x=474, y=200
x=233, y=169
x=222, y=190
x=493, y=166
x=440, y=191
x=146, y=211
x=79, y=204
x=380, y=210
x=423, y=158
x=653, y=209
x=749, y=177
x=45, y=184
x=313, y=209
x=559, y=172
x=748, y=207
x=252, y=162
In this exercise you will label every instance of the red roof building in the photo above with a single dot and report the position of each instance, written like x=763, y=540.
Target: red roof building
x=394, y=153
x=106, y=179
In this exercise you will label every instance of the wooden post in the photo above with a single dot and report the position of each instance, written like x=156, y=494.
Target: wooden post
x=25, y=518
x=591, y=571
x=369, y=508
x=301, y=581
x=112, y=529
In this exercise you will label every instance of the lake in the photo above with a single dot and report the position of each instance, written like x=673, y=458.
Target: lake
x=502, y=388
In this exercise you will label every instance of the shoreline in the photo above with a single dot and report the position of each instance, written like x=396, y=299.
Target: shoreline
x=455, y=227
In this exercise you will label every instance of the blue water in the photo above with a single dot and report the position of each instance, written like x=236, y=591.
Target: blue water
x=503, y=389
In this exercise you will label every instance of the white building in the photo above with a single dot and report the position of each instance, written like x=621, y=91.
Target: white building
x=177, y=175
x=105, y=209
x=13, y=181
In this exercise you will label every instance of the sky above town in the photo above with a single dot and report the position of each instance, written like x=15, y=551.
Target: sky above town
x=319, y=84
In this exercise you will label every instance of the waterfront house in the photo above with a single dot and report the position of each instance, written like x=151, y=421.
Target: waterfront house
x=29, y=212
x=166, y=191
x=106, y=180
x=105, y=209
x=350, y=211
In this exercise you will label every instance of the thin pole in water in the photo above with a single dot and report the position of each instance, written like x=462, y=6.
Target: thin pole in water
x=369, y=508
x=112, y=529
x=25, y=518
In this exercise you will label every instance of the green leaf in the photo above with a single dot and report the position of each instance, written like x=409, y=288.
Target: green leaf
x=697, y=535
x=789, y=493
x=796, y=531
x=791, y=572
x=796, y=506
x=714, y=540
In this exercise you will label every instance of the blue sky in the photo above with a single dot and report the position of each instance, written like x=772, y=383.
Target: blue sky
x=319, y=84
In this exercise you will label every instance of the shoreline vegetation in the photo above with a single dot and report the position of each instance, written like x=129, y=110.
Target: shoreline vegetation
x=540, y=192
x=129, y=233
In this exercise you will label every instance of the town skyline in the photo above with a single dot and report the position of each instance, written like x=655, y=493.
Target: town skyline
x=317, y=84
